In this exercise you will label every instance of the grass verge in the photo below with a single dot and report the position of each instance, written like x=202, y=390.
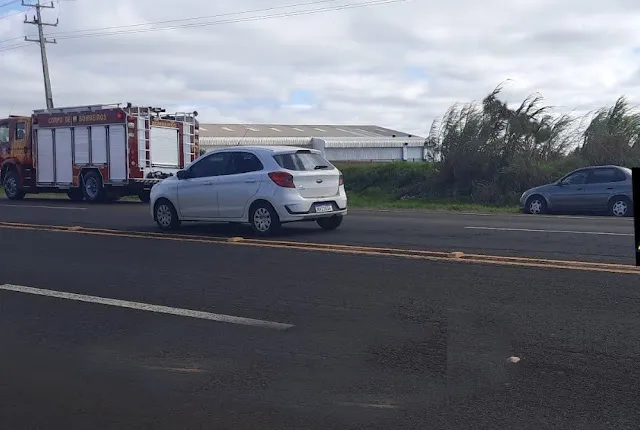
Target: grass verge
x=367, y=201
x=417, y=186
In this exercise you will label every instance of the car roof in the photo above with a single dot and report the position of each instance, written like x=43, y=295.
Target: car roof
x=606, y=166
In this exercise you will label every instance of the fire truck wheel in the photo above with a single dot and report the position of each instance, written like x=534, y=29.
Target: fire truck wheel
x=165, y=215
x=75, y=194
x=92, y=188
x=11, y=186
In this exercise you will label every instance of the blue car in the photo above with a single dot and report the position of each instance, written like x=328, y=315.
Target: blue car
x=596, y=189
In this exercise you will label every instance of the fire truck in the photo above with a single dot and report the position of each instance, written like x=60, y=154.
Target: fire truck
x=95, y=153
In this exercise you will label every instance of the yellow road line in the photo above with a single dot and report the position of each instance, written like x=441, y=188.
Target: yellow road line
x=341, y=249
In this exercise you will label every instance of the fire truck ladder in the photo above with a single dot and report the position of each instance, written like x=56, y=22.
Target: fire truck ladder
x=144, y=133
x=188, y=121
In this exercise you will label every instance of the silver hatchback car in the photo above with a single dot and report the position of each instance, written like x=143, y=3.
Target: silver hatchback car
x=605, y=189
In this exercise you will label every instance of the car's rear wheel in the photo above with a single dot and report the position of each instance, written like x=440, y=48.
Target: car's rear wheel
x=330, y=223
x=264, y=219
x=536, y=205
x=620, y=206
x=165, y=215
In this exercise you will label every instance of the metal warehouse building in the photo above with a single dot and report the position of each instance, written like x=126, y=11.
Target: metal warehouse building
x=337, y=142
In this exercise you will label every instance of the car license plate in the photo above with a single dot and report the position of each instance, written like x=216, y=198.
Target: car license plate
x=324, y=208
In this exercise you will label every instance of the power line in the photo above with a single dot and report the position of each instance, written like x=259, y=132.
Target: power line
x=12, y=47
x=130, y=29
x=9, y=3
x=42, y=41
x=10, y=15
x=20, y=12
x=220, y=15
x=234, y=20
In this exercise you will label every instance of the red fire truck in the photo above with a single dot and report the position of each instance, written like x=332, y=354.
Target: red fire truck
x=94, y=153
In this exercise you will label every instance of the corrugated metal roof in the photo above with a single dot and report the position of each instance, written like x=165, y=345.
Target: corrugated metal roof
x=283, y=130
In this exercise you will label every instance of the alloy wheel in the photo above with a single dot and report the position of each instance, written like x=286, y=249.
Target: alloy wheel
x=164, y=215
x=262, y=219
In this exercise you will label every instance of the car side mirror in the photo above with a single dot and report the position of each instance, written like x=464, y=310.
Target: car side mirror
x=182, y=174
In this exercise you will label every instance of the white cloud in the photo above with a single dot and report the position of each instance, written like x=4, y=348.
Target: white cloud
x=580, y=55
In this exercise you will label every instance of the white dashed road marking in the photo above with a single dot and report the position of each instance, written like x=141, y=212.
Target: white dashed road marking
x=66, y=208
x=147, y=307
x=533, y=230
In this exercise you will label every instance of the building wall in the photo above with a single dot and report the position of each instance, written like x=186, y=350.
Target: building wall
x=374, y=154
x=357, y=149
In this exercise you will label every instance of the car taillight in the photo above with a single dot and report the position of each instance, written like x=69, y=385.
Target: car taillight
x=341, y=180
x=282, y=179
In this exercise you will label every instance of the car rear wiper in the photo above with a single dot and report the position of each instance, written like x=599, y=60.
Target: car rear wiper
x=321, y=167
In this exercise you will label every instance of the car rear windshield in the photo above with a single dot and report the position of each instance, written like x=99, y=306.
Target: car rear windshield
x=302, y=160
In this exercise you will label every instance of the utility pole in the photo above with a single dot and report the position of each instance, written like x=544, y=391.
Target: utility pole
x=42, y=41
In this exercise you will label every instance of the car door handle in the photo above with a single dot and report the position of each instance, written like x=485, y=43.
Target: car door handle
x=609, y=188
x=209, y=183
x=250, y=181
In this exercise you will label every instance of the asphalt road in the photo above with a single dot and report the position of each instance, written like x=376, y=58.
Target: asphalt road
x=604, y=239
x=375, y=342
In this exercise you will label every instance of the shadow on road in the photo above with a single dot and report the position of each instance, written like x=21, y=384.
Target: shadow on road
x=62, y=200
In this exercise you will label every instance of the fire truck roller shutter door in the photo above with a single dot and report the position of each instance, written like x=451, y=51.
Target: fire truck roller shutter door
x=117, y=153
x=81, y=145
x=44, y=164
x=63, y=158
x=98, y=144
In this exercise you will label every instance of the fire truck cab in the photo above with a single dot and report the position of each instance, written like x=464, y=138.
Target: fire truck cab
x=94, y=153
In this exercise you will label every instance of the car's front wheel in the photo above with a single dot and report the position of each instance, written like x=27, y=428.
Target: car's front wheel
x=536, y=205
x=330, y=223
x=264, y=219
x=165, y=215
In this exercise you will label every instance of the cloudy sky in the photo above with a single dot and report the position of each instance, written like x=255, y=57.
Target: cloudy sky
x=398, y=64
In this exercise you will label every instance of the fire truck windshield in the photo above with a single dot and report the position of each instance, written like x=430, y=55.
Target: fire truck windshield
x=4, y=133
